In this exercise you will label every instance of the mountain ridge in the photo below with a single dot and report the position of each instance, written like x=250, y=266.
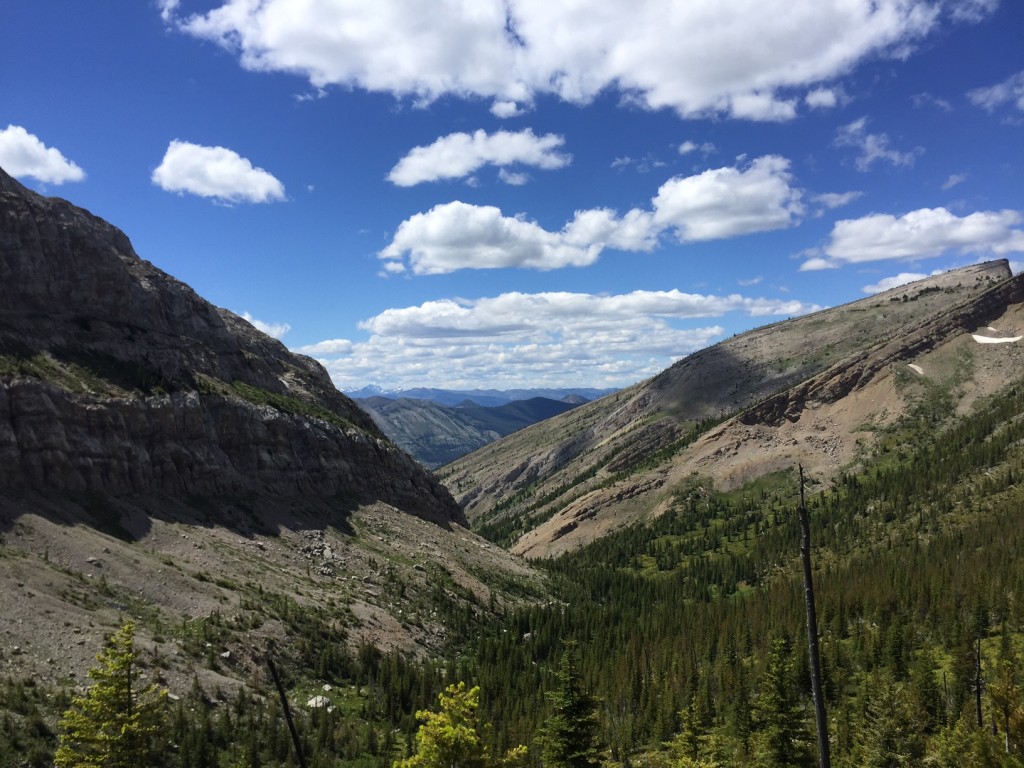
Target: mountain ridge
x=436, y=434
x=560, y=484
x=484, y=397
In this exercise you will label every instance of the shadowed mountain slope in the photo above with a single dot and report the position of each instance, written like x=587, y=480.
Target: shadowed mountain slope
x=118, y=379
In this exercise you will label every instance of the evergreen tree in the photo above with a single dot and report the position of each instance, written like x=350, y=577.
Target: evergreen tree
x=927, y=693
x=570, y=733
x=449, y=738
x=781, y=738
x=1007, y=694
x=687, y=743
x=114, y=725
x=964, y=744
x=891, y=733
x=741, y=723
x=694, y=746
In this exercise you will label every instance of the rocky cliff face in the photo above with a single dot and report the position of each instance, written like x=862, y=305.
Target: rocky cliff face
x=860, y=369
x=118, y=379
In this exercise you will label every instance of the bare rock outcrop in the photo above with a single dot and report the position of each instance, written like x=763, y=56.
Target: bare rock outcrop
x=856, y=371
x=118, y=379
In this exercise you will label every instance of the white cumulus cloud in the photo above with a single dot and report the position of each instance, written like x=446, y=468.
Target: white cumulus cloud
x=895, y=281
x=921, y=234
x=23, y=155
x=538, y=338
x=458, y=155
x=874, y=147
x=727, y=202
x=815, y=263
x=699, y=58
x=507, y=109
x=513, y=178
x=716, y=204
x=762, y=105
x=458, y=235
x=691, y=146
x=836, y=199
x=328, y=347
x=215, y=172
x=276, y=330
x=822, y=98
x=1010, y=91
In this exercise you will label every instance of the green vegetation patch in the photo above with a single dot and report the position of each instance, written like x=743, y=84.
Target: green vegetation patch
x=82, y=371
x=290, y=405
x=258, y=396
x=69, y=376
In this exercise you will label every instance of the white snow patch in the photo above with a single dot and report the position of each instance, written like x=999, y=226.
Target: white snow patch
x=989, y=340
x=915, y=368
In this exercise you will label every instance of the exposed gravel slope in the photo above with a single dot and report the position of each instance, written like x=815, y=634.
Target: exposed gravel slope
x=762, y=401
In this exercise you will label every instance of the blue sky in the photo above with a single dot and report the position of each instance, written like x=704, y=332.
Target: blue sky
x=525, y=193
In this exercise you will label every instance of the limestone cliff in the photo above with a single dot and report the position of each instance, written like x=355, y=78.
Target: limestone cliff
x=115, y=378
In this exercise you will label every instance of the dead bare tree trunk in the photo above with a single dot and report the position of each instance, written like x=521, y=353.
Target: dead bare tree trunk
x=820, y=718
x=287, y=713
x=977, y=682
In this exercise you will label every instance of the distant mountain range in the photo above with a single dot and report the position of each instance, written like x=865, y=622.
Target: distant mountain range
x=435, y=434
x=485, y=397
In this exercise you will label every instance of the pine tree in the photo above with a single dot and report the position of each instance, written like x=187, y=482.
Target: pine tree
x=570, y=733
x=687, y=743
x=781, y=738
x=451, y=739
x=891, y=733
x=926, y=691
x=694, y=746
x=741, y=721
x=1007, y=694
x=964, y=744
x=114, y=725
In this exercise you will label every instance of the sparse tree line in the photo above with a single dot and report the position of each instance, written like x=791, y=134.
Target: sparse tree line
x=697, y=658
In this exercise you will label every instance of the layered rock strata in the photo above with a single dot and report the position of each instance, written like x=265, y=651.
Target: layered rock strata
x=117, y=379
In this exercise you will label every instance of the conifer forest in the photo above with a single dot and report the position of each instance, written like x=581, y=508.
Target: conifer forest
x=680, y=642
